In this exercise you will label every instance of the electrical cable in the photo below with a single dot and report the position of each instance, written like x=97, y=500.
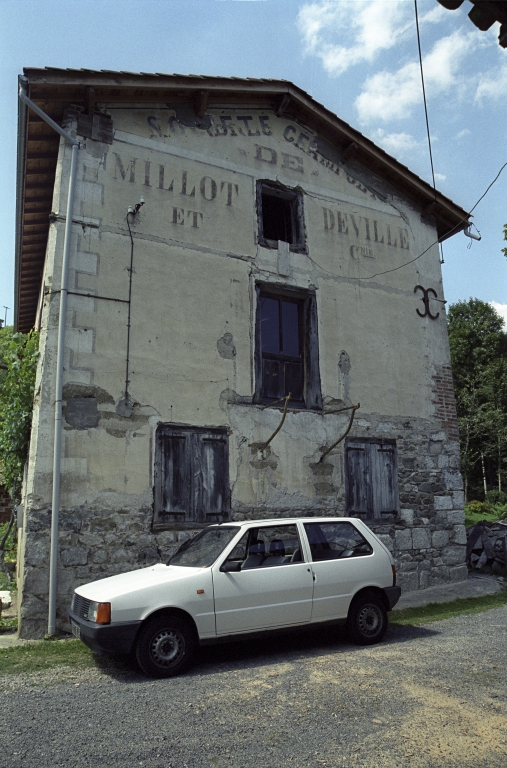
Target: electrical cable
x=426, y=115
x=456, y=228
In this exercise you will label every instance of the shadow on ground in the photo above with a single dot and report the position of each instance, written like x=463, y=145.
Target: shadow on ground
x=248, y=654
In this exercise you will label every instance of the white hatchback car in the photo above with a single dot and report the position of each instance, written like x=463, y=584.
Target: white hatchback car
x=238, y=579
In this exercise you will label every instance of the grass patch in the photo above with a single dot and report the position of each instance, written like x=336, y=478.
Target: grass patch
x=440, y=611
x=45, y=654
x=8, y=625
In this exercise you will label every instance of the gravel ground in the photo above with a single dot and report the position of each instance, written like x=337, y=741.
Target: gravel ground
x=427, y=697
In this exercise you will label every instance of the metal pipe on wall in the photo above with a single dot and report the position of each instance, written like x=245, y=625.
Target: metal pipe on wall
x=55, y=502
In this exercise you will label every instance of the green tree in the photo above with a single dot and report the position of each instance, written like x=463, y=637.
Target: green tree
x=479, y=359
x=6, y=335
x=16, y=406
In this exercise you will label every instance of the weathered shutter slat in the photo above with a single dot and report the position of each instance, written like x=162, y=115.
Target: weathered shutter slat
x=383, y=480
x=172, y=487
x=357, y=477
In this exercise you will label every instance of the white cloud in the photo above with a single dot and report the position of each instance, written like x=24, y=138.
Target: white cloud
x=440, y=177
x=463, y=133
x=501, y=309
x=492, y=85
x=392, y=95
x=343, y=33
x=371, y=26
x=395, y=143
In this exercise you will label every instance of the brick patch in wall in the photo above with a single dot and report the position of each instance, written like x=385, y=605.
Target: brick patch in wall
x=444, y=402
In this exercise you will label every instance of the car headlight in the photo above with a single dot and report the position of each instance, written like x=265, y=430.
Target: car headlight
x=100, y=613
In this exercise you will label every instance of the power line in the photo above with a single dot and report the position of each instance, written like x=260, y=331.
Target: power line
x=451, y=232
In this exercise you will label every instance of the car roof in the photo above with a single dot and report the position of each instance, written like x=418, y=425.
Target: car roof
x=288, y=520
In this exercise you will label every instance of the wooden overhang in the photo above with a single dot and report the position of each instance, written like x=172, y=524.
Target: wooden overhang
x=55, y=89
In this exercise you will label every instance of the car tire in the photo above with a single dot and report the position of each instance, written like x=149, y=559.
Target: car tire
x=367, y=620
x=165, y=646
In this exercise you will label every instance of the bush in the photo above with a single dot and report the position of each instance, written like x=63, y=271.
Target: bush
x=496, y=497
x=16, y=406
x=475, y=511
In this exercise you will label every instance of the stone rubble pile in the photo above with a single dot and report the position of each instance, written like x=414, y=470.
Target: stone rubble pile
x=487, y=546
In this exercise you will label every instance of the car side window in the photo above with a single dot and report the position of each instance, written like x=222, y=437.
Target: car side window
x=333, y=541
x=268, y=546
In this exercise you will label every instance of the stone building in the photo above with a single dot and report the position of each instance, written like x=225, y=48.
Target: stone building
x=233, y=242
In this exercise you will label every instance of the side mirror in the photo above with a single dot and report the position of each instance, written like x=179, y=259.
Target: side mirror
x=231, y=566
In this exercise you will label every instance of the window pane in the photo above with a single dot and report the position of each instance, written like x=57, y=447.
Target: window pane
x=272, y=379
x=203, y=549
x=270, y=325
x=294, y=381
x=290, y=328
x=331, y=541
x=277, y=218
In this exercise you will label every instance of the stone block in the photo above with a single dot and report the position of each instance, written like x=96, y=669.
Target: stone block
x=148, y=556
x=439, y=575
x=408, y=581
x=33, y=629
x=459, y=535
x=36, y=551
x=120, y=556
x=443, y=461
x=99, y=556
x=403, y=539
x=424, y=579
x=435, y=449
x=386, y=540
x=454, y=555
x=452, y=480
x=440, y=539
x=90, y=540
x=456, y=516
x=34, y=607
x=437, y=437
x=421, y=538
x=443, y=502
x=69, y=522
x=166, y=537
x=407, y=515
x=35, y=581
x=74, y=556
x=458, y=499
x=458, y=573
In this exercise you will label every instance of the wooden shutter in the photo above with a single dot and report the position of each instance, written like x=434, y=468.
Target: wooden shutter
x=210, y=468
x=173, y=500
x=191, y=476
x=371, y=478
x=384, y=480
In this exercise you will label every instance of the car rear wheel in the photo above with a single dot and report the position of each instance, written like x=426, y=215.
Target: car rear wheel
x=367, y=620
x=165, y=646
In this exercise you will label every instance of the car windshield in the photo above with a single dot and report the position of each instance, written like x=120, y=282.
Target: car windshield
x=203, y=549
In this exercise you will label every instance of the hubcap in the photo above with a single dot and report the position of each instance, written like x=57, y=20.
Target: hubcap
x=167, y=647
x=369, y=620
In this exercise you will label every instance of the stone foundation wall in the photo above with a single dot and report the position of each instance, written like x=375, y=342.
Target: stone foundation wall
x=427, y=540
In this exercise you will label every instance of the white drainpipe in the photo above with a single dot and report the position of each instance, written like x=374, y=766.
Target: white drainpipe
x=55, y=503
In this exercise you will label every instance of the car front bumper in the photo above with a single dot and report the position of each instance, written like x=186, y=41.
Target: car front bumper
x=105, y=638
x=393, y=595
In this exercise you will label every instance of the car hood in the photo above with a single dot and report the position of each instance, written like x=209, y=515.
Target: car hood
x=105, y=590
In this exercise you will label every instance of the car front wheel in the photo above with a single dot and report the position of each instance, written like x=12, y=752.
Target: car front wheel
x=165, y=646
x=367, y=620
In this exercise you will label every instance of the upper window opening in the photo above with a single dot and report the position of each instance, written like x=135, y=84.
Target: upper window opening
x=286, y=348
x=280, y=215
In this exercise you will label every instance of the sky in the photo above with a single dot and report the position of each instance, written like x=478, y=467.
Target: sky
x=357, y=57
